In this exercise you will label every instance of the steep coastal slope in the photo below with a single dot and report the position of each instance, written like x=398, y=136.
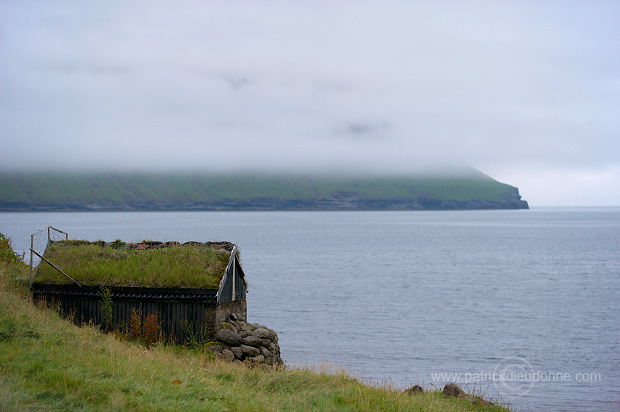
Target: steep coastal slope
x=38, y=191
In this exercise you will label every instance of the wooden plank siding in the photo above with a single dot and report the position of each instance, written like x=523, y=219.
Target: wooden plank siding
x=183, y=313
x=233, y=280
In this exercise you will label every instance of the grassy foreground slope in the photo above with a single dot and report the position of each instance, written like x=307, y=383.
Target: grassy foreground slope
x=142, y=191
x=47, y=363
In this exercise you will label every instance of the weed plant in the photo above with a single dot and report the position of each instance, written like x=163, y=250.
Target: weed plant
x=195, y=335
x=175, y=266
x=147, y=332
x=7, y=255
x=107, y=308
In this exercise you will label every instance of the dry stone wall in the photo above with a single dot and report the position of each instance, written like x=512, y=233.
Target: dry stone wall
x=240, y=341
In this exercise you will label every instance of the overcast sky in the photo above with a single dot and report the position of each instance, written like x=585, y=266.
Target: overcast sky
x=526, y=91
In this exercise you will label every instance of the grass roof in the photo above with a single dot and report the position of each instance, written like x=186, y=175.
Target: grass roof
x=145, y=264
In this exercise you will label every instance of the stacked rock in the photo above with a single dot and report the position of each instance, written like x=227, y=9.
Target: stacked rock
x=249, y=342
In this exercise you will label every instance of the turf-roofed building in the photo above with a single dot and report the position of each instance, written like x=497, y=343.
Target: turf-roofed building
x=187, y=288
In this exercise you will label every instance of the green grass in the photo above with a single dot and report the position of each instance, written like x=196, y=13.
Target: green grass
x=118, y=188
x=47, y=363
x=173, y=266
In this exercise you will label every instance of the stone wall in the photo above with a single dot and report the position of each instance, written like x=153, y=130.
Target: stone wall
x=239, y=341
x=232, y=310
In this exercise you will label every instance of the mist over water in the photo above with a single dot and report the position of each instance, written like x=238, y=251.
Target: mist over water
x=403, y=297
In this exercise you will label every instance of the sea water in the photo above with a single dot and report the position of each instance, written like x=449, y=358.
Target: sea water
x=520, y=306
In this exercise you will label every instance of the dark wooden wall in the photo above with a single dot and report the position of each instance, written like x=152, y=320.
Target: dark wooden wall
x=184, y=313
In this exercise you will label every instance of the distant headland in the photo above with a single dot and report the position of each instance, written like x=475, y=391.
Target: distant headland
x=142, y=191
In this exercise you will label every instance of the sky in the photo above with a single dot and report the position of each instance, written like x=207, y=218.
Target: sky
x=527, y=92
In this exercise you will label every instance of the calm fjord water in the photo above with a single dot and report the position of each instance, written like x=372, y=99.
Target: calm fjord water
x=519, y=305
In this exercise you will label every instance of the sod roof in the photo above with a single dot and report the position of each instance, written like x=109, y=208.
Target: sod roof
x=144, y=264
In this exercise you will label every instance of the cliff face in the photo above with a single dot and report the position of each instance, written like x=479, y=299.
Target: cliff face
x=105, y=192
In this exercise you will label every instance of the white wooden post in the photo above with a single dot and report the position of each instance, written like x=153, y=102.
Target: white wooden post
x=234, y=274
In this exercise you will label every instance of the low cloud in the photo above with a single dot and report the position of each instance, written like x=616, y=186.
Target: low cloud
x=369, y=86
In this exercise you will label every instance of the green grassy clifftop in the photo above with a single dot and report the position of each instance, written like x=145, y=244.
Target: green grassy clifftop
x=152, y=191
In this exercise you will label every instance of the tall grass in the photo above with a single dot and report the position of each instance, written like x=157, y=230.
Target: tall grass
x=7, y=254
x=174, y=266
x=47, y=363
